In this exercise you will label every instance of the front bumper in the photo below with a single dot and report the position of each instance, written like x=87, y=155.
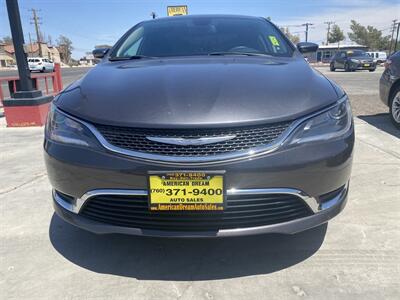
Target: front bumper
x=361, y=66
x=385, y=84
x=312, y=170
x=326, y=212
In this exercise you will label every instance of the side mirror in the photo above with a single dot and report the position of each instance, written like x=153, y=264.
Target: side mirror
x=100, y=52
x=305, y=47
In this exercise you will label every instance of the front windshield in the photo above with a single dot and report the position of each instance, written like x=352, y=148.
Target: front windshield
x=184, y=36
x=357, y=53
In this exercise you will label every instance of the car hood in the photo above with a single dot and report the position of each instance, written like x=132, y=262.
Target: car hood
x=197, y=92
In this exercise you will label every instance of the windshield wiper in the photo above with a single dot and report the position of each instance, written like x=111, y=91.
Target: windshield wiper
x=115, y=58
x=239, y=53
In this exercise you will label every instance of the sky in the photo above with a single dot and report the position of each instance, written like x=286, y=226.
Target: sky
x=91, y=22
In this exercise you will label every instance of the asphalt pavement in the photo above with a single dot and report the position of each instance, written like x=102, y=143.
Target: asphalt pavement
x=68, y=74
x=355, y=256
x=363, y=89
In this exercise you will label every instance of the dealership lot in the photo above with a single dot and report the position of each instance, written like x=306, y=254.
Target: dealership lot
x=354, y=257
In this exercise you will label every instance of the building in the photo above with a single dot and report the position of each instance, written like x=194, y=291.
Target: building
x=102, y=46
x=88, y=60
x=326, y=52
x=7, y=53
x=7, y=57
x=48, y=51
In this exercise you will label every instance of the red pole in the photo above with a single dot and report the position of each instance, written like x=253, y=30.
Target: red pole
x=1, y=94
x=57, y=70
x=54, y=83
x=46, y=85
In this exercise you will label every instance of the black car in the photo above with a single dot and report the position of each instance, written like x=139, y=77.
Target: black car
x=352, y=60
x=389, y=87
x=200, y=126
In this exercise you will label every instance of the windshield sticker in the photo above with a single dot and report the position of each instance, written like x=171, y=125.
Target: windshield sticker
x=274, y=40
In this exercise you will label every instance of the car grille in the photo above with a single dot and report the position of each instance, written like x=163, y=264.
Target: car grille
x=134, y=139
x=242, y=211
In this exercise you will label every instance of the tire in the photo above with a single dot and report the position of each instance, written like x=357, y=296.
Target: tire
x=373, y=70
x=347, y=67
x=332, y=67
x=42, y=70
x=394, y=108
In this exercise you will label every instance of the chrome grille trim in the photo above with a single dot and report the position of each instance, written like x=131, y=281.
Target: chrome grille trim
x=80, y=202
x=311, y=202
x=205, y=160
x=193, y=143
x=195, y=160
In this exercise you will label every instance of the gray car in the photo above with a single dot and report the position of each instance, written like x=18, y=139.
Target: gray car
x=352, y=60
x=200, y=126
x=389, y=87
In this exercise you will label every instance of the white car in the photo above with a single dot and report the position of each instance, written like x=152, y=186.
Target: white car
x=378, y=57
x=40, y=64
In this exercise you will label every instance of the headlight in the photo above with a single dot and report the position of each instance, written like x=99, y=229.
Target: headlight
x=356, y=61
x=62, y=129
x=328, y=125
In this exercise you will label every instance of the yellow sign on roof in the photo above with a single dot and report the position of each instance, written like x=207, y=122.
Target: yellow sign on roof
x=179, y=10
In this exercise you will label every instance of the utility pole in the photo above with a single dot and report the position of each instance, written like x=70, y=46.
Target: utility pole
x=35, y=19
x=391, y=40
x=329, y=23
x=307, y=24
x=397, y=37
x=30, y=44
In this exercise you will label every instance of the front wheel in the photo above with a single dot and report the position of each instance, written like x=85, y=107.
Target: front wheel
x=395, y=108
x=42, y=70
x=347, y=67
x=332, y=67
x=373, y=70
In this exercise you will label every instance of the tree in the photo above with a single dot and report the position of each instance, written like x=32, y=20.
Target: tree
x=336, y=35
x=65, y=47
x=7, y=40
x=368, y=36
x=293, y=38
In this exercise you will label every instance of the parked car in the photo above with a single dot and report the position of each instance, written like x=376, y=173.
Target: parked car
x=389, y=87
x=40, y=64
x=352, y=60
x=378, y=57
x=200, y=126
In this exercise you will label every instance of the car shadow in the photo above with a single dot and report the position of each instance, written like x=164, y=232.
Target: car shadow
x=183, y=259
x=382, y=122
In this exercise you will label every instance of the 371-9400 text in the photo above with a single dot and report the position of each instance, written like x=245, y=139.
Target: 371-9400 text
x=184, y=192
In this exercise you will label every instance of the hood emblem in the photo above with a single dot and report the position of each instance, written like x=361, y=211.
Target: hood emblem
x=190, y=142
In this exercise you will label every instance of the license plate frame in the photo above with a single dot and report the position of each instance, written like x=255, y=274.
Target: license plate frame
x=159, y=201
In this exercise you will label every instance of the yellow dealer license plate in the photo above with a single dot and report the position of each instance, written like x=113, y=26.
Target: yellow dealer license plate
x=366, y=65
x=186, y=191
